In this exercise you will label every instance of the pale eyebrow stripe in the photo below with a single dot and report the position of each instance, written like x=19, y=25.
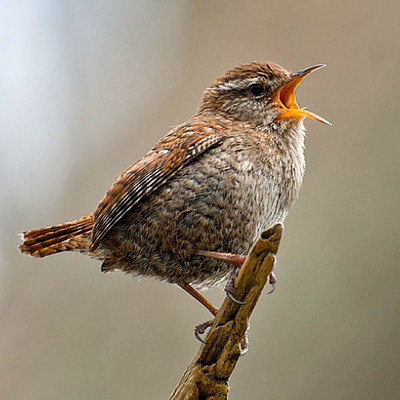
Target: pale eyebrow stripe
x=238, y=84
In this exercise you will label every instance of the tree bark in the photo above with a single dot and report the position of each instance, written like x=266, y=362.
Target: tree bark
x=207, y=376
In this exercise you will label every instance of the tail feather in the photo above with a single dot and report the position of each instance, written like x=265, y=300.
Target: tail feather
x=69, y=236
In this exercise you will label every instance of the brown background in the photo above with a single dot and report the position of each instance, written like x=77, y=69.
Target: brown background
x=87, y=87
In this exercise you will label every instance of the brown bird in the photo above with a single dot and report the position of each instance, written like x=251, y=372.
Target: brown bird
x=207, y=188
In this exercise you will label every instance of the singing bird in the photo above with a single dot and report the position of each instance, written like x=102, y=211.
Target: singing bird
x=207, y=188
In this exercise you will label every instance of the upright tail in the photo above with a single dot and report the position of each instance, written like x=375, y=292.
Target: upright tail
x=70, y=236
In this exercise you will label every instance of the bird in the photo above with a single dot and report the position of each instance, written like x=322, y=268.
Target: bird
x=190, y=209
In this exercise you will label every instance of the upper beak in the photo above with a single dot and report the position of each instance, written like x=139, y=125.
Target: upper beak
x=286, y=99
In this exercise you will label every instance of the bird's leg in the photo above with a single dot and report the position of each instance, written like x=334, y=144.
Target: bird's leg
x=237, y=261
x=199, y=297
x=200, y=329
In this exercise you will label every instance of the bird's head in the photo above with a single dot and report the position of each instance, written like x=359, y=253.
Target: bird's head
x=259, y=93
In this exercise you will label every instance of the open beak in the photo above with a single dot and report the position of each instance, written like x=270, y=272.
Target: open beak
x=285, y=97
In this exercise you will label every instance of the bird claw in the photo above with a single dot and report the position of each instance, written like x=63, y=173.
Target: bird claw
x=237, y=261
x=230, y=296
x=230, y=287
x=272, y=282
x=200, y=330
x=272, y=290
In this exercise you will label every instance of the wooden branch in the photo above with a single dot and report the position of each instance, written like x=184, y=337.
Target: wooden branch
x=207, y=376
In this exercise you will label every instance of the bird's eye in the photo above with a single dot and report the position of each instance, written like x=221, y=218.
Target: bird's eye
x=256, y=89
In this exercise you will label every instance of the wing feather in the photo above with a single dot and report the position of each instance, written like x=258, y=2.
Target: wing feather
x=161, y=163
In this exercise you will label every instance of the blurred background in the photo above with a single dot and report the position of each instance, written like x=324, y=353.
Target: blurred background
x=87, y=87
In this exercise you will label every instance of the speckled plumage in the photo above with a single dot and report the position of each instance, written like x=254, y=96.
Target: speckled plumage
x=213, y=183
x=219, y=202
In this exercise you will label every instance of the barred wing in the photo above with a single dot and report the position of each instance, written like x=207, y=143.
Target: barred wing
x=161, y=163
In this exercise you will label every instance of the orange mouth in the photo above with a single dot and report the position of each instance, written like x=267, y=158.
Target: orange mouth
x=285, y=97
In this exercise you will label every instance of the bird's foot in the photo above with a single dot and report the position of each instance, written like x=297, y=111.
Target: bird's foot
x=237, y=261
x=272, y=281
x=200, y=330
x=230, y=286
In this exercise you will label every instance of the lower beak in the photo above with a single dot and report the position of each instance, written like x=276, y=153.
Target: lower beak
x=285, y=97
